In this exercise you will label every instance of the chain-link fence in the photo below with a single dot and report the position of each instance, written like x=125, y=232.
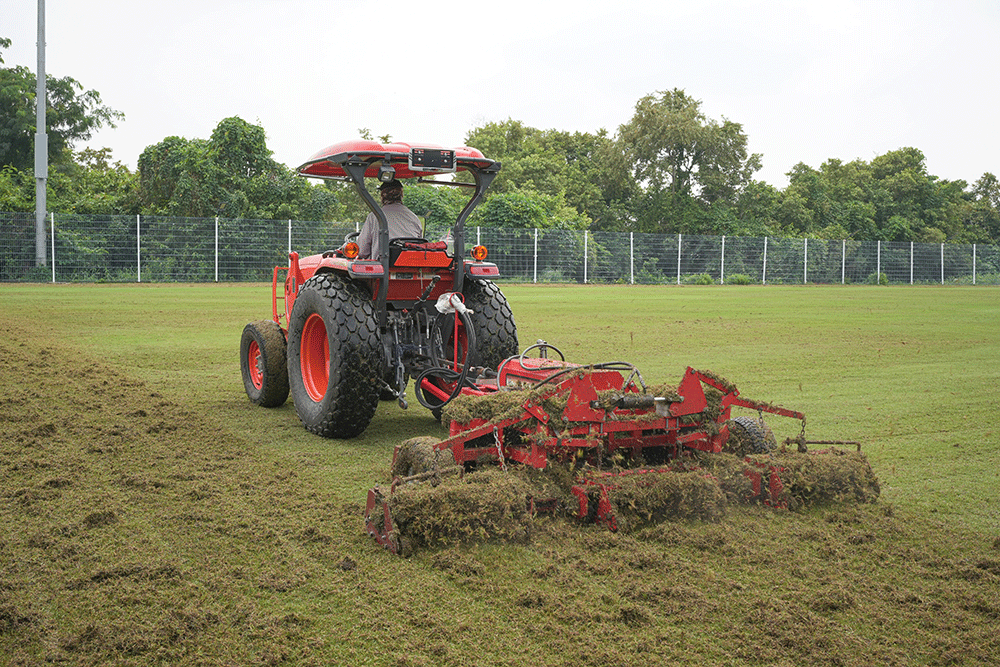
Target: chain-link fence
x=164, y=249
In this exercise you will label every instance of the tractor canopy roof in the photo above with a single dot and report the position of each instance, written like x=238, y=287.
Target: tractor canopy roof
x=409, y=160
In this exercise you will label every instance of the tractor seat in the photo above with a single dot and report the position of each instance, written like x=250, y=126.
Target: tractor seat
x=418, y=253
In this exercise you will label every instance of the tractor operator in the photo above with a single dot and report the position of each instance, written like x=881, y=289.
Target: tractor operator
x=403, y=223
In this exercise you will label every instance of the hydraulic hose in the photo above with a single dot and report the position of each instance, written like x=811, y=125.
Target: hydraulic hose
x=439, y=370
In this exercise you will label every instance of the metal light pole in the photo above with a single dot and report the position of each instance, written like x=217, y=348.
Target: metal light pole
x=41, y=143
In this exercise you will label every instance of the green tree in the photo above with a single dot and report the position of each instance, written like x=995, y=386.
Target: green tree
x=683, y=161
x=93, y=184
x=513, y=210
x=17, y=190
x=755, y=212
x=893, y=198
x=982, y=211
x=89, y=183
x=438, y=206
x=72, y=114
x=563, y=167
x=232, y=175
x=828, y=202
x=527, y=210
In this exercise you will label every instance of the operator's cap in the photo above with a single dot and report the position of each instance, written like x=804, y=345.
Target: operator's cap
x=390, y=185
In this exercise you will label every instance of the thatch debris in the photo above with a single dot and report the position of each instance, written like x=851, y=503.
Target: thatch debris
x=667, y=391
x=719, y=380
x=486, y=505
x=645, y=499
x=827, y=476
x=490, y=407
x=495, y=504
x=418, y=455
x=809, y=479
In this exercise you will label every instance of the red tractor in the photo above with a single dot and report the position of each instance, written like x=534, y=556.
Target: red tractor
x=346, y=332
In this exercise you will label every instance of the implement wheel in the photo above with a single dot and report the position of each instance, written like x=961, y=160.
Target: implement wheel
x=492, y=322
x=334, y=356
x=263, y=364
x=749, y=436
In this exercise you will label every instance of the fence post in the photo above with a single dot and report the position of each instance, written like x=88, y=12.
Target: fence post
x=216, y=248
x=477, y=236
x=878, y=264
x=973, y=264
x=290, y=235
x=722, y=262
x=843, y=259
x=678, y=259
x=805, y=261
x=631, y=258
x=534, y=278
x=585, y=253
x=138, y=253
x=942, y=264
x=52, y=233
x=763, y=272
x=911, y=262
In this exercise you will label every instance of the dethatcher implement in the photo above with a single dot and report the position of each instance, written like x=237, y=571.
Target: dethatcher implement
x=595, y=442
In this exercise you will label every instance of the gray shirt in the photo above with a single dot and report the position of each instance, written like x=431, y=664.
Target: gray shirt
x=402, y=223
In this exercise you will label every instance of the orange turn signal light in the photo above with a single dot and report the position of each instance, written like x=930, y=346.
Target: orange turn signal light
x=350, y=250
x=479, y=253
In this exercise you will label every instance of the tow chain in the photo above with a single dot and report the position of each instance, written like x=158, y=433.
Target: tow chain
x=496, y=438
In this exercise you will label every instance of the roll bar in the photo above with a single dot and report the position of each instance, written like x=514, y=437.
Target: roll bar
x=355, y=167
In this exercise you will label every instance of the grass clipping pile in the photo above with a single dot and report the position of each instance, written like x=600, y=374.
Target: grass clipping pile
x=493, y=504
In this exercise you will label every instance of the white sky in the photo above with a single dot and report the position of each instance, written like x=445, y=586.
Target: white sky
x=808, y=79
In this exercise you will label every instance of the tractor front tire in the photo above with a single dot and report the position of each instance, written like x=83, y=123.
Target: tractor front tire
x=263, y=364
x=492, y=322
x=334, y=356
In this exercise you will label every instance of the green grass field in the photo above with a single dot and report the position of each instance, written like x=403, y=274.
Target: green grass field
x=155, y=517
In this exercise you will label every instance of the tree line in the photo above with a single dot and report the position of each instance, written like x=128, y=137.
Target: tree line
x=669, y=169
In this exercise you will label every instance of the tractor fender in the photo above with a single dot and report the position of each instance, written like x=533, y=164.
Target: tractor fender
x=300, y=270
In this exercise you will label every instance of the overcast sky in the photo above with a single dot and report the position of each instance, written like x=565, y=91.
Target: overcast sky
x=809, y=80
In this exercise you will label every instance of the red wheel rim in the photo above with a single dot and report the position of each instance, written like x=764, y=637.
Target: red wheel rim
x=254, y=363
x=314, y=357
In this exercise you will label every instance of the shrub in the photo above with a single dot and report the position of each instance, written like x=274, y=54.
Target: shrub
x=877, y=279
x=699, y=279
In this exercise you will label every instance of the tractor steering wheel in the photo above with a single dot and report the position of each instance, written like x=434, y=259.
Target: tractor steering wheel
x=401, y=241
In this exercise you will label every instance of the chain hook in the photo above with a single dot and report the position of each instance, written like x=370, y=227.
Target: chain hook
x=499, y=443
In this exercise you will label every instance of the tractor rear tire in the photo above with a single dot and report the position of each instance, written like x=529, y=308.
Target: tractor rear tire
x=334, y=356
x=263, y=364
x=749, y=436
x=492, y=322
